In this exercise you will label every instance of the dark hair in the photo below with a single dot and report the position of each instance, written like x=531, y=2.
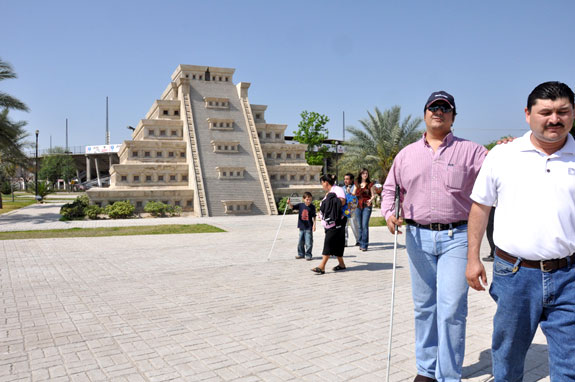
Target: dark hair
x=350, y=176
x=359, y=179
x=330, y=178
x=550, y=90
x=307, y=195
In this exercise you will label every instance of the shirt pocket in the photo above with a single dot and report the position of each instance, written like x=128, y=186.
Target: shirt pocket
x=456, y=175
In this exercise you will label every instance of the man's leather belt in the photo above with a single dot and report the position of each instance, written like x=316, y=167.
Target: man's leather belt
x=544, y=265
x=436, y=226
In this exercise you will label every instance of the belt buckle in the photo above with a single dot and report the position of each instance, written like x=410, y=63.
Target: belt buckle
x=543, y=268
x=431, y=225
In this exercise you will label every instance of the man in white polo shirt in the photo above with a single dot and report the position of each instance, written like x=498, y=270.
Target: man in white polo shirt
x=533, y=181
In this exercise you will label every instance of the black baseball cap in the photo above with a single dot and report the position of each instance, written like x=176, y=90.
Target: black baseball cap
x=440, y=96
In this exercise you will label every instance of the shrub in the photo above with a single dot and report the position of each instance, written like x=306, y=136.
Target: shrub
x=317, y=204
x=44, y=188
x=156, y=208
x=84, y=200
x=120, y=210
x=74, y=210
x=282, y=205
x=174, y=210
x=93, y=211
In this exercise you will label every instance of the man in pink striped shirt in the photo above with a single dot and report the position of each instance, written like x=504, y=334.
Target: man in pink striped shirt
x=436, y=175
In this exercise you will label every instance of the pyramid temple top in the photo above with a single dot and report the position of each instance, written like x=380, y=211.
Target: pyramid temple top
x=203, y=73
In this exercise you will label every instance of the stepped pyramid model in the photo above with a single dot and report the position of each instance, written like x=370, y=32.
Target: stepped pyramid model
x=205, y=148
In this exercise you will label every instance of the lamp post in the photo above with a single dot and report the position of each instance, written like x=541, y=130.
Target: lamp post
x=336, y=170
x=38, y=198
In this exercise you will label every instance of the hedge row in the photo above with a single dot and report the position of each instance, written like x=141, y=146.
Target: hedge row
x=81, y=208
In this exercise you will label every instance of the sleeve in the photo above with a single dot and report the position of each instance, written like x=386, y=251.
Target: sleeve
x=388, y=192
x=339, y=192
x=485, y=189
x=311, y=211
x=480, y=158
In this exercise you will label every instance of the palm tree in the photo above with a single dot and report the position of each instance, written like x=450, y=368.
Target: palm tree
x=376, y=144
x=12, y=133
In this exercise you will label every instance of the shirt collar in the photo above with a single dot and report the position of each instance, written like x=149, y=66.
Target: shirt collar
x=568, y=147
x=446, y=141
x=525, y=144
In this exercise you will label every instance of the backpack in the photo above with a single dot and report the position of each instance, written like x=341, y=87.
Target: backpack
x=350, y=205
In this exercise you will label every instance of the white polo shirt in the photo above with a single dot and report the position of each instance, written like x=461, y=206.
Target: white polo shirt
x=535, y=194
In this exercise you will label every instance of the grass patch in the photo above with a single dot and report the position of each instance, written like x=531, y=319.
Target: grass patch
x=9, y=205
x=111, y=231
x=377, y=222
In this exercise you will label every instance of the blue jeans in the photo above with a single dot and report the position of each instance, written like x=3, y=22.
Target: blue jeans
x=437, y=264
x=362, y=216
x=526, y=299
x=305, y=241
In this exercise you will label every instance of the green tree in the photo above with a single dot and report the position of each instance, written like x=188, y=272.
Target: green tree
x=376, y=144
x=57, y=165
x=12, y=133
x=312, y=131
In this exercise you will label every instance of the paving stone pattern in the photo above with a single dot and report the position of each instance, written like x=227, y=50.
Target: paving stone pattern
x=209, y=307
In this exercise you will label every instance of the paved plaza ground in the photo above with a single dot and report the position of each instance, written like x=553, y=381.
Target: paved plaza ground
x=210, y=307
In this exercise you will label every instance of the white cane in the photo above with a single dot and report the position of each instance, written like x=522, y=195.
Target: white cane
x=281, y=222
x=393, y=283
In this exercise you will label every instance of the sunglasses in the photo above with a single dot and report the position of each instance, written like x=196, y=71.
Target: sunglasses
x=443, y=108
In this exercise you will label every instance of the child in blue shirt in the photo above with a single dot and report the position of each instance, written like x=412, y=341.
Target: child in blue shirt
x=306, y=224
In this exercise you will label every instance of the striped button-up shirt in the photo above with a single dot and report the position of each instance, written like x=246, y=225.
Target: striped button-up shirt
x=435, y=187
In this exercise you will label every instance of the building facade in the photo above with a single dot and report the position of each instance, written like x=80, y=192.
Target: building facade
x=202, y=146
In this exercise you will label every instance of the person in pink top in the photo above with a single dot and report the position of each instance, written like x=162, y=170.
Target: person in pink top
x=436, y=175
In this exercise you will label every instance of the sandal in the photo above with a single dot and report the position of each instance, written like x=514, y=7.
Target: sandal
x=339, y=268
x=318, y=270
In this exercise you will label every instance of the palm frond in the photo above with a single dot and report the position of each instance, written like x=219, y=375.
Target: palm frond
x=6, y=71
x=381, y=136
x=9, y=102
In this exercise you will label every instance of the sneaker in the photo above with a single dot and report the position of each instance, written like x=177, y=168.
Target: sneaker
x=300, y=257
x=309, y=258
x=489, y=258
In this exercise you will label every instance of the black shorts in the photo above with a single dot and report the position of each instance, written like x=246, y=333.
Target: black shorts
x=334, y=242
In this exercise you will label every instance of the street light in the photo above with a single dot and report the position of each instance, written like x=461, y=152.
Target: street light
x=38, y=197
x=336, y=170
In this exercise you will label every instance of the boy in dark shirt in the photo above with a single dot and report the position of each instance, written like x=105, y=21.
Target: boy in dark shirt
x=306, y=224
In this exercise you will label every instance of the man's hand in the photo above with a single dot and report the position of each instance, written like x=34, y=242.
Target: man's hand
x=477, y=221
x=392, y=222
x=505, y=140
x=475, y=274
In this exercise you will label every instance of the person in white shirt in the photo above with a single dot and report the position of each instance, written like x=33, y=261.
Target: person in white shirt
x=533, y=181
